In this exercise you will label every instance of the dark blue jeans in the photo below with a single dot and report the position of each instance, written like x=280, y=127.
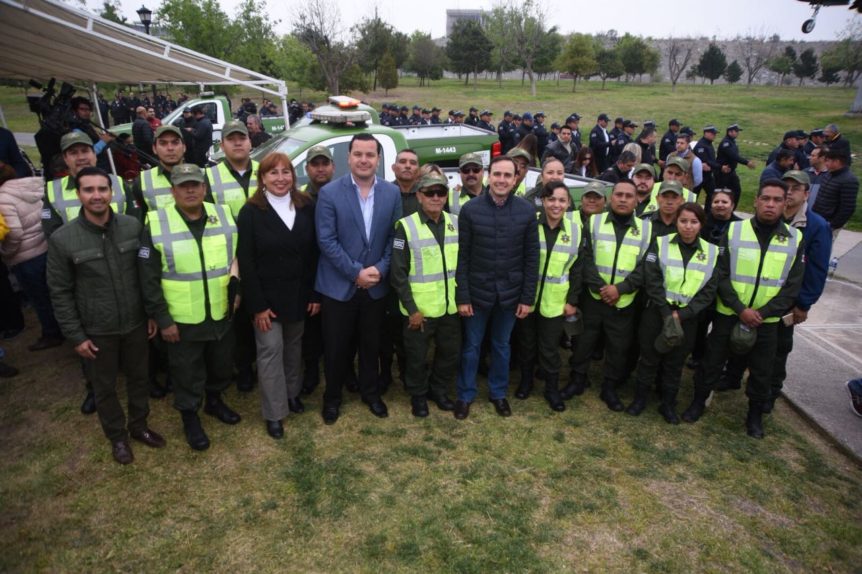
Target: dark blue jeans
x=31, y=276
x=501, y=323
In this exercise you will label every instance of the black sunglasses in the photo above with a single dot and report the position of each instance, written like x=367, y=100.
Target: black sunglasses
x=471, y=169
x=435, y=192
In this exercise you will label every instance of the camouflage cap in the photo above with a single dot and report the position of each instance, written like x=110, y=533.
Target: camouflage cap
x=233, y=127
x=318, y=151
x=670, y=186
x=678, y=162
x=596, y=187
x=169, y=129
x=432, y=179
x=742, y=339
x=644, y=167
x=517, y=152
x=186, y=172
x=74, y=138
x=471, y=158
x=797, y=176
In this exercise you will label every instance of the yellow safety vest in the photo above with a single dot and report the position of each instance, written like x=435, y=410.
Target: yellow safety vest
x=457, y=200
x=635, y=244
x=521, y=190
x=652, y=205
x=65, y=201
x=682, y=282
x=225, y=189
x=756, y=291
x=183, y=274
x=156, y=189
x=554, y=270
x=432, y=280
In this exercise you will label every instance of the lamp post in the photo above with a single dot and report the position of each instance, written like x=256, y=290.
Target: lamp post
x=146, y=16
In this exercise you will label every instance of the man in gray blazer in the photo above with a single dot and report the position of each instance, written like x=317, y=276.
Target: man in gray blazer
x=355, y=219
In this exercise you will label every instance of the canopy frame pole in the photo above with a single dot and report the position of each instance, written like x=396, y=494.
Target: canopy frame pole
x=102, y=124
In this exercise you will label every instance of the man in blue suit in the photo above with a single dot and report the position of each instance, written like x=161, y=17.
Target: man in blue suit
x=355, y=218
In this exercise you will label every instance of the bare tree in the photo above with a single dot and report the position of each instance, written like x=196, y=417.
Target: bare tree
x=755, y=51
x=678, y=53
x=319, y=28
x=527, y=21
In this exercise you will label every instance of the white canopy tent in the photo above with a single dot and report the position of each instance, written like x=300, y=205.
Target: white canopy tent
x=45, y=38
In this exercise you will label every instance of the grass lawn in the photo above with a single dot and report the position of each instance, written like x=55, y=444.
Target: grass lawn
x=764, y=112
x=583, y=490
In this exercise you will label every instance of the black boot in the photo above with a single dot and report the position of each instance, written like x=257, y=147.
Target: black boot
x=728, y=382
x=769, y=404
x=195, y=435
x=245, y=379
x=667, y=409
x=552, y=392
x=525, y=387
x=696, y=408
x=576, y=386
x=609, y=396
x=639, y=404
x=216, y=407
x=754, y=420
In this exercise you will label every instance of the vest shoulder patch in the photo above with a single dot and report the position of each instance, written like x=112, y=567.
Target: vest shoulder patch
x=651, y=258
x=144, y=252
x=46, y=213
x=398, y=244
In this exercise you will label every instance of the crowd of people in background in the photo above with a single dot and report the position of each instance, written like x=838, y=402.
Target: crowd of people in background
x=227, y=273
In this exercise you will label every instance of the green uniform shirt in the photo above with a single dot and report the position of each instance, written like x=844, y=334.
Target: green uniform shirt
x=399, y=264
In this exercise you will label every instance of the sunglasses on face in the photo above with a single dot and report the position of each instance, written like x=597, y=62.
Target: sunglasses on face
x=466, y=170
x=436, y=192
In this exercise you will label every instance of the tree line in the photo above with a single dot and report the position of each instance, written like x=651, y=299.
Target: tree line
x=322, y=53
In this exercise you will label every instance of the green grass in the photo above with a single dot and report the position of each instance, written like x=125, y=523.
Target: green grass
x=764, y=112
x=583, y=490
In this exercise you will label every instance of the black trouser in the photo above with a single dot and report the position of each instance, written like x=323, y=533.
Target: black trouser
x=736, y=365
x=616, y=326
x=704, y=318
x=127, y=354
x=391, y=341
x=200, y=366
x=634, y=349
x=539, y=338
x=312, y=346
x=731, y=181
x=651, y=360
x=246, y=351
x=708, y=187
x=360, y=315
x=445, y=333
x=760, y=358
x=11, y=318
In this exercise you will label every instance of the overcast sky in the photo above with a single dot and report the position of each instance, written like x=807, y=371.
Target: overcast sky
x=657, y=18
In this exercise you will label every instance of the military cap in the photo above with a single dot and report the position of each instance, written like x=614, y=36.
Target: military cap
x=644, y=167
x=619, y=120
x=649, y=123
x=801, y=134
x=405, y=109
x=797, y=176
x=426, y=111
x=670, y=186
x=417, y=107
x=596, y=187
x=471, y=158
x=629, y=124
x=459, y=113
x=187, y=110
x=486, y=113
x=473, y=109
x=186, y=172
x=198, y=108
x=603, y=117
x=516, y=117
x=791, y=134
x=555, y=125
x=678, y=162
x=734, y=127
x=318, y=151
x=436, y=109
x=537, y=114
x=433, y=179
x=573, y=118
x=673, y=122
x=507, y=113
x=527, y=116
x=233, y=127
x=742, y=339
x=169, y=129
x=816, y=132
x=74, y=138
x=710, y=128
x=517, y=152
x=686, y=131
x=671, y=335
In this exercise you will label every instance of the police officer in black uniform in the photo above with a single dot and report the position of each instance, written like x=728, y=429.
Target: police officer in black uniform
x=473, y=118
x=541, y=133
x=601, y=142
x=485, y=121
x=506, y=132
x=624, y=138
x=729, y=158
x=384, y=116
x=791, y=142
x=573, y=121
x=668, y=141
x=704, y=150
x=416, y=117
x=435, y=115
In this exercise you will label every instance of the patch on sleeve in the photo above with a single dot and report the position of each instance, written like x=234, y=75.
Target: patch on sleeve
x=46, y=213
x=144, y=252
x=398, y=244
x=725, y=144
x=700, y=150
x=651, y=258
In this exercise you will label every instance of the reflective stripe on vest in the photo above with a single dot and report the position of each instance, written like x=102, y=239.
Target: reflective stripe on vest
x=634, y=246
x=745, y=254
x=430, y=276
x=683, y=281
x=156, y=190
x=653, y=199
x=225, y=189
x=182, y=275
x=65, y=201
x=554, y=283
x=457, y=200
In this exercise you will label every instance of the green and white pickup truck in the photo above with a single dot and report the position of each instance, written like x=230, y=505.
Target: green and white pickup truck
x=335, y=125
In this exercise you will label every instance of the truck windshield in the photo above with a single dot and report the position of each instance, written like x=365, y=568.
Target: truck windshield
x=285, y=145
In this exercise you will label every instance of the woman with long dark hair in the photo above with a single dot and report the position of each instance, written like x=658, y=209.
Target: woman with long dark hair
x=585, y=165
x=277, y=253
